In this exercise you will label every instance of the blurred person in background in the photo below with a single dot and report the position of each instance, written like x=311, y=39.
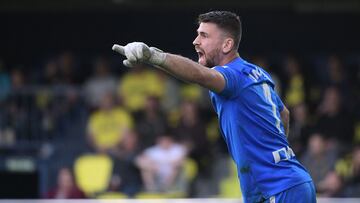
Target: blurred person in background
x=50, y=73
x=333, y=73
x=253, y=119
x=18, y=80
x=191, y=131
x=5, y=86
x=127, y=178
x=336, y=74
x=100, y=83
x=318, y=159
x=300, y=126
x=106, y=126
x=5, y=82
x=171, y=98
x=68, y=69
x=333, y=120
x=295, y=91
x=17, y=104
x=66, y=187
x=352, y=181
x=150, y=122
x=331, y=186
x=139, y=83
x=161, y=165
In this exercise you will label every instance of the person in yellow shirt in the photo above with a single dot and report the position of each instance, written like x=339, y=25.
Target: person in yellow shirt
x=137, y=85
x=295, y=92
x=106, y=126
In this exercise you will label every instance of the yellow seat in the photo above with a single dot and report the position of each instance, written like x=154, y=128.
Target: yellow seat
x=93, y=173
x=230, y=187
x=112, y=195
x=190, y=169
x=357, y=132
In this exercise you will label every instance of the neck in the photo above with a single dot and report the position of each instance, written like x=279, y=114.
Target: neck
x=229, y=57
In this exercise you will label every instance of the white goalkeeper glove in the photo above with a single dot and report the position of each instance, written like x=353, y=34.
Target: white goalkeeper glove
x=139, y=52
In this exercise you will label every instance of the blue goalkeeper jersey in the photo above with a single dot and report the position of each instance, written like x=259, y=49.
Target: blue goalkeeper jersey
x=249, y=116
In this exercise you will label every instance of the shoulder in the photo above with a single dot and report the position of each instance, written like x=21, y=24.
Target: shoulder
x=236, y=76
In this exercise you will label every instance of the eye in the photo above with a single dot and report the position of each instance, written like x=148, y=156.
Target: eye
x=203, y=35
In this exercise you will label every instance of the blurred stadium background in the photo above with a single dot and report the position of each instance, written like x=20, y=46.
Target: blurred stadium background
x=75, y=123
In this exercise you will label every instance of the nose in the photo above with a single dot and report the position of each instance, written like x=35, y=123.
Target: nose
x=196, y=41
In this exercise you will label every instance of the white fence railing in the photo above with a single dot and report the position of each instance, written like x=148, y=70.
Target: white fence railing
x=211, y=200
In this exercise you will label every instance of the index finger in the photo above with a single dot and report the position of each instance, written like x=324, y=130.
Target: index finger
x=119, y=49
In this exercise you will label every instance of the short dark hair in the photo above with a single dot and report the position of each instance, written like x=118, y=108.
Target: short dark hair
x=226, y=20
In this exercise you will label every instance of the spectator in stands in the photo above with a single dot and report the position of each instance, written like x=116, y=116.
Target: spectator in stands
x=5, y=86
x=18, y=80
x=336, y=73
x=333, y=121
x=353, y=181
x=318, y=159
x=68, y=70
x=160, y=165
x=66, y=187
x=50, y=74
x=100, y=83
x=331, y=185
x=4, y=82
x=151, y=122
x=137, y=85
x=295, y=91
x=171, y=97
x=299, y=128
x=191, y=131
x=125, y=168
x=106, y=125
x=17, y=104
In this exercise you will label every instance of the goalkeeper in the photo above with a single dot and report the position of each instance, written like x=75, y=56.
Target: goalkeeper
x=253, y=120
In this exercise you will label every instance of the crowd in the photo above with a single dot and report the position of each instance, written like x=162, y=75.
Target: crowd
x=152, y=125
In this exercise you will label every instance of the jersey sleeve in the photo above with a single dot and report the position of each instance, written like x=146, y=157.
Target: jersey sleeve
x=231, y=81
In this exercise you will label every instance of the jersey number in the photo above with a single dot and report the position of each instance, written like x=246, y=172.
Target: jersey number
x=267, y=94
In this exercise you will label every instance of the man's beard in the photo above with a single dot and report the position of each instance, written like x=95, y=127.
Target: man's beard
x=210, y=61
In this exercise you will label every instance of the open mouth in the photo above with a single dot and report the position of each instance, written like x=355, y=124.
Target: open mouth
x=200, y=53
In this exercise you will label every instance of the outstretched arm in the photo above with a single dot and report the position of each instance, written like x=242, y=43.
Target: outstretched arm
x=188, y=70
x=181, y=67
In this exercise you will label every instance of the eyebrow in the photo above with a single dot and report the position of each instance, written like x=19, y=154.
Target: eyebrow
x=202, y=32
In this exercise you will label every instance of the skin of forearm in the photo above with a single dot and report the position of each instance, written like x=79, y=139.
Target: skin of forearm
x=183, y=68
x=188, y=70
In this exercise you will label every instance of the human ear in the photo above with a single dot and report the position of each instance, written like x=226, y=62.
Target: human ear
x=228, y=45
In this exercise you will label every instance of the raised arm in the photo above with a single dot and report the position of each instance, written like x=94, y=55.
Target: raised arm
x=181, y=67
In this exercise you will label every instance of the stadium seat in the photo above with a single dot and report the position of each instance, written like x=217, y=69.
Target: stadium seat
x=93, y=173
x=190, y=169
x=229, y=187
x=357, y=133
